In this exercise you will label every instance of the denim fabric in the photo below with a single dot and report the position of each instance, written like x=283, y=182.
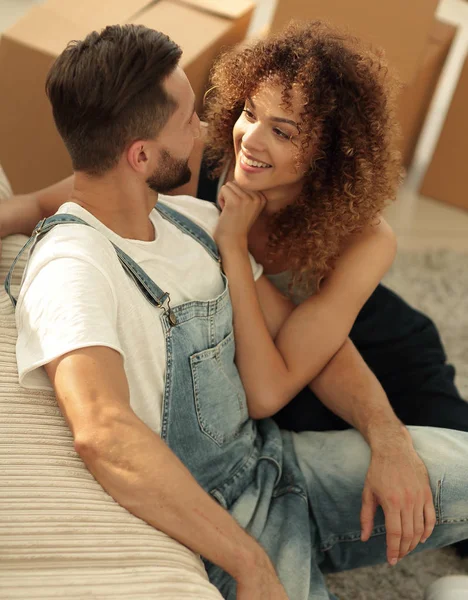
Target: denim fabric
x=299, y=494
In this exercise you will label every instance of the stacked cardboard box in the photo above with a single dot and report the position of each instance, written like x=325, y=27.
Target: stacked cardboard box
x=31, y=151
x=416, y=97
x=416, y=46
x=446, y=177
x=400, y=27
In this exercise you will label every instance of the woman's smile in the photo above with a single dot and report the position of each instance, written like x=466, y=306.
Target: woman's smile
x=251, y=164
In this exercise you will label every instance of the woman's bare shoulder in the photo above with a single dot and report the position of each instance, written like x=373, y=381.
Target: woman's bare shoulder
x=378, y=234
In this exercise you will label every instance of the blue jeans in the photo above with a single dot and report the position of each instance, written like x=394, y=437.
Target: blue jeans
x=309, y=520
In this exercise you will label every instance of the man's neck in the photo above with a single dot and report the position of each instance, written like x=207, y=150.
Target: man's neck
x=119, y=203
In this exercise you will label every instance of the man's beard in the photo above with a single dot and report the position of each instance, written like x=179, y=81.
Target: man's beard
x=171, y=173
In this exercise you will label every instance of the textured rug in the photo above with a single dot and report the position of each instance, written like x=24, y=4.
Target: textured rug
x=435, y=282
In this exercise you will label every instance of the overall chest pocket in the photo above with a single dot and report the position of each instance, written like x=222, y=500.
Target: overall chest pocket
x=220, y=401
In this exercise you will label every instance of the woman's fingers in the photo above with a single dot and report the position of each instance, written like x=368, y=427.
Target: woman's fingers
x=235, y=189
x=226, y=195
x=252, y=202
x=257, y=197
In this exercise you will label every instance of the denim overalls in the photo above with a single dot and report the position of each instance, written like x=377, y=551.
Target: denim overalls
x=205, y=421
x=302, y=516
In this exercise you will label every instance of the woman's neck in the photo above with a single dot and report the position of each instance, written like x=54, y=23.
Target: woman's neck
x=258, y=246
x=280, y=197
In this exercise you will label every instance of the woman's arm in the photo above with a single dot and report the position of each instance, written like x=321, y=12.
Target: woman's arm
x=274, y=372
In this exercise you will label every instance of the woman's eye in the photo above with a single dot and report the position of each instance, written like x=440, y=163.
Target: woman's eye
x=248, y=113
x=281, y=134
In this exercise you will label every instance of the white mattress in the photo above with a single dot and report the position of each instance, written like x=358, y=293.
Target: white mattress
x=61, y=535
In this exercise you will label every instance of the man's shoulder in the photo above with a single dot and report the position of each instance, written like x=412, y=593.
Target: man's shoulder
x=69, y=263
x=72, y=241
x=203, y=213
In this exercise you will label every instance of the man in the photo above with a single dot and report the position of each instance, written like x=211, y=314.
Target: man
x=127, y=310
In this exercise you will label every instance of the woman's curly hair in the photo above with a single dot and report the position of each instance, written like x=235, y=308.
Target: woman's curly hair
x=348, y=120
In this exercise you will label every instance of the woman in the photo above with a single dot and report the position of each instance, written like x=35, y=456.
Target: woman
x=309, y=166
x=347, y=135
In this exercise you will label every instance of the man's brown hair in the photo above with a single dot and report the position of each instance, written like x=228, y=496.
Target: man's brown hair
x=107, y=91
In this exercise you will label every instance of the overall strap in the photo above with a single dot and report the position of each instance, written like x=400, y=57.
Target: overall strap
x=190, y=228
x=152, y=292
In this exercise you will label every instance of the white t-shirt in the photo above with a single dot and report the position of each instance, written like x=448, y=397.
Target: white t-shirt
x=76, y=294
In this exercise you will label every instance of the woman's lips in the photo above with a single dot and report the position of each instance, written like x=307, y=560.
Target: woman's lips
x=250, y=168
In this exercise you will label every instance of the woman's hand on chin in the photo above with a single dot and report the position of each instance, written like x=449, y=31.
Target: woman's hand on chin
x=239, y=211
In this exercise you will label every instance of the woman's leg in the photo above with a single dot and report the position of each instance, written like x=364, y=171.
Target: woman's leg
x=307, y=413
x=403, y=349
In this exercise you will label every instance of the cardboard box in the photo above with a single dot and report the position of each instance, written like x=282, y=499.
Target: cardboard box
x=206, y=32
x=416, y=97
x=31, y=151
x=446, y=177
x=400, y=27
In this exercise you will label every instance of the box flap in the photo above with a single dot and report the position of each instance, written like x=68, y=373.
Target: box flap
x=46, y=31
x=445, y=178
x=97, y=14
x=166, y=16
x=107, y=12
x=400, y=27
x=231, y=9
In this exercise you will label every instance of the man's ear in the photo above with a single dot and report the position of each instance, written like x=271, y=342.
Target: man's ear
x=138, y=156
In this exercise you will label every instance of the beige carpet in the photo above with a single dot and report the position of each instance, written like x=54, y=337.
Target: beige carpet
x=436, y=283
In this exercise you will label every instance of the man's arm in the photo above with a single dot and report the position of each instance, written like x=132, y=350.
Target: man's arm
x=143, y=475
x=397, y=478
x=350, y=390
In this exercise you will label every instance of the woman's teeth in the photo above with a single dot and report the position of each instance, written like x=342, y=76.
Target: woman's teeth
x=254, y=163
